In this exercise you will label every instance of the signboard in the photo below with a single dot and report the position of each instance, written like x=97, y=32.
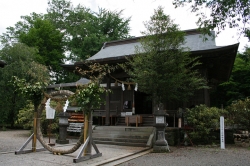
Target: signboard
x=123, y=114
x=160, y=120
x=128, y=113
x=222, y=133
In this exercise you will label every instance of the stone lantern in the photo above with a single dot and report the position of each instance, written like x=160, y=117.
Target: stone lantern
x=63, y=124
x=161, y=144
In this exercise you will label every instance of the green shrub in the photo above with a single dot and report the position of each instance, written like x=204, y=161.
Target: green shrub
x=240, y=113
x=203, y=119
x=26, y=118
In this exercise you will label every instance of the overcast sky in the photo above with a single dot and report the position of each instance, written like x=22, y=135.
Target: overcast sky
x=138, y=10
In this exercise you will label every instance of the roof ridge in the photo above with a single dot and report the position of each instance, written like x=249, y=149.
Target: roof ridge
x=135, y=39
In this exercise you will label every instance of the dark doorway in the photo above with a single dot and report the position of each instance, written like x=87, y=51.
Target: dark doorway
x=142, y=103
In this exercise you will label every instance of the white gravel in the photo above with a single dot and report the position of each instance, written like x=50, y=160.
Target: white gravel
x=195, y=156
x=179, y=156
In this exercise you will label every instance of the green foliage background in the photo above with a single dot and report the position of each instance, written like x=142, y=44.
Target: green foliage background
x=26, y=116
x=223, y=14
x=203, y=120
x=240, y=114
x=64, y=33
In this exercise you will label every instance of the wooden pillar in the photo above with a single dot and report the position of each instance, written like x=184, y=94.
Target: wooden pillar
x=122, y=100
x=35, y=132
x=107, y=107
x=206, y=97
x=206, y=93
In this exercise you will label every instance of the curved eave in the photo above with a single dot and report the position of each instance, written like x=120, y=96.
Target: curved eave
x=218, y=62
x=233, y=47
x=207, y=52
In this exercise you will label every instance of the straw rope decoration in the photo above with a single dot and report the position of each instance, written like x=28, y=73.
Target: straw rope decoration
x=123, y=83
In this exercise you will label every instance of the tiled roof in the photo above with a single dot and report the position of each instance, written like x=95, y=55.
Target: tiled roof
x=121, y=48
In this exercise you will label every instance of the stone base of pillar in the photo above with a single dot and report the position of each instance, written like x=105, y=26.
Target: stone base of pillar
x=160, y=149
x=161, y=145
x=62, y=141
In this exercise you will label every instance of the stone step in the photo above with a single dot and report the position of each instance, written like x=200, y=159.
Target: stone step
x=146, y=121
x=123, y=128
x=122, y=135
x=130, y=140
x=114, y=135
x=120, y=143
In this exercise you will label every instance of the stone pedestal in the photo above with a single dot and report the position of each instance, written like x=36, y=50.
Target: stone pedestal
x=63, y=124
x=161, y=144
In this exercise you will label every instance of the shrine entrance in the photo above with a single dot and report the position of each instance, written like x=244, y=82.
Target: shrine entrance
x=143, y=105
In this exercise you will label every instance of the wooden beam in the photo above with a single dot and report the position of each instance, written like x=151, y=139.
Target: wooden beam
x=107, y=107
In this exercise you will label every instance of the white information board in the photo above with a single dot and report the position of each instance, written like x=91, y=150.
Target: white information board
x=222, y=133
x=160, y=120
x=128, y=113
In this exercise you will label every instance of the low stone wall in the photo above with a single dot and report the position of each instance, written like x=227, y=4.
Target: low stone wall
x=175, y=136
x=242, y=138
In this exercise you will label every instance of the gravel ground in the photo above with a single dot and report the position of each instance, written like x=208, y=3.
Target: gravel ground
x=12, y=140
x=195, y=156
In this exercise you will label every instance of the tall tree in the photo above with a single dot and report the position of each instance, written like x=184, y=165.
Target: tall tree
x=85, y=31
x=12, y=34
x=36, y=31
x=48, y=40
x=19, y=59
x=161, y=67
x=58, y=12
x=223, y=13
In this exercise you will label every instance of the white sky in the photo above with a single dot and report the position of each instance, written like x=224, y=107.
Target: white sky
x=139, y=10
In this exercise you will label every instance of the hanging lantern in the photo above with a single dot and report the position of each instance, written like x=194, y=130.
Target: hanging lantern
x=123, y=88
x=129, y=87
x=50, y=112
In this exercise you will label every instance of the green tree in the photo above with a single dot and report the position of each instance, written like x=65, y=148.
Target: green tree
x=44, y=36
x=32, y=89
x=36, y=31
x=82, y=31
x=11, y=36
x=18, y=57
x=89, y=97
x=245, y=55
x=161, y=67
x=58, y=12
x=223, y=13
x=85, y=31
x=240, y=113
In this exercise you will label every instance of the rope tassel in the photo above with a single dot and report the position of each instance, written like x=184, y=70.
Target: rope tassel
x=129, y=87
x=123, y=88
